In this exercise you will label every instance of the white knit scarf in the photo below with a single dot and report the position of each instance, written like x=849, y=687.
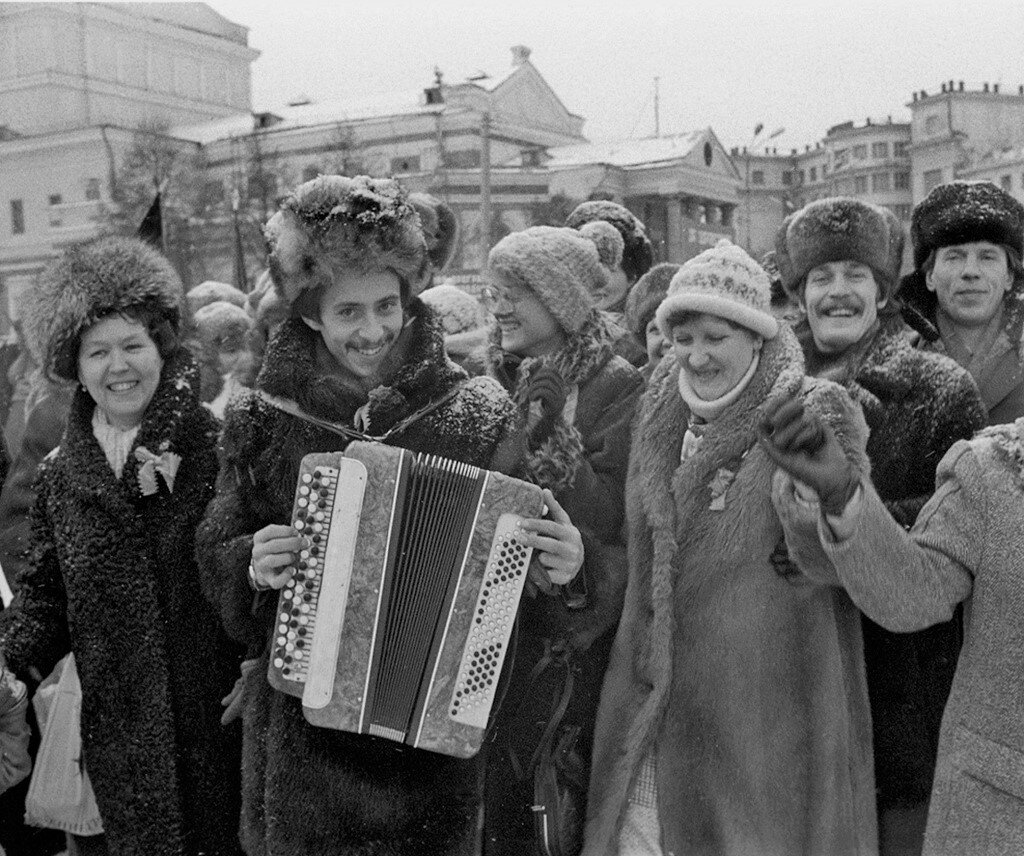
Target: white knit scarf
x=115, y=442
x=703, y=411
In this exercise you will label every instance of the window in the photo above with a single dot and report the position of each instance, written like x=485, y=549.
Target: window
x=901, y=180
x=840, y=158
x=814, y=173
x=899, y=150
x=464, y=159
x=17, y=217
x=880, y=182
x=56, y=199
x=932, y=178
x=860, y=184
x=409, y=163
x=92, y=189
x=757, y=176
x=901, y=211
x=879, y=150
x=860, y=152
x=1006, y=183
x=531, y=157
x=802, y=176
x=787, y=177
x=933, y=124
x=824, y=170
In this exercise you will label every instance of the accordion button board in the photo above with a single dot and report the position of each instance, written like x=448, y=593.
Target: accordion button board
x=398, y=621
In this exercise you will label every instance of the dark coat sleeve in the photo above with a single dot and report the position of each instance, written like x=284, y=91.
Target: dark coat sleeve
x=35, y=627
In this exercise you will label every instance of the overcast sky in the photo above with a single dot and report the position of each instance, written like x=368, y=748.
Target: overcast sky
x=727, y=64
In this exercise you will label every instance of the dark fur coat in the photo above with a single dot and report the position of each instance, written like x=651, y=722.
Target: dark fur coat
x=112, y=577
x=748, y=688
x=917, y=404
x=311, y=791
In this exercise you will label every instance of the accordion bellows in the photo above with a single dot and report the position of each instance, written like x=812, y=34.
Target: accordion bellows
x=398, y=618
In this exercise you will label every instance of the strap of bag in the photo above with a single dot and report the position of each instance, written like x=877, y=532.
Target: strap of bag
x=292, y=408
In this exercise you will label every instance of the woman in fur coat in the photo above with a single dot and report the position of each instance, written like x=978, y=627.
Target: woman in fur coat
x=111, y=576
x=734, y=714
x=359, y=350
x=839, y=259
x=575, y=400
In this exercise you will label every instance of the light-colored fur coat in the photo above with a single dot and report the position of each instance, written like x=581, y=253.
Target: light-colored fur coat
x=749, y=688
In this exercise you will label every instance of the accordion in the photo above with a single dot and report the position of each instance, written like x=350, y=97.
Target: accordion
x=399, y=615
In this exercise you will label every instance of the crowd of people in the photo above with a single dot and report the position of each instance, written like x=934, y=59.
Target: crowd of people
x=772, y=606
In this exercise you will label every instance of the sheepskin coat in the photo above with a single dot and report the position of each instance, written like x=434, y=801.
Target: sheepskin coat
x=310, y=791
x=584, y=462
x=917, y=404
x=747, y=687
x=966, y=547
x=112, y=578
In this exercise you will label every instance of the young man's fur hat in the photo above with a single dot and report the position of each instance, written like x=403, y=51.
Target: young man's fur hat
x=90, y=281
x=440, y=229
x=637, y=253
x=335, y=222
x=835, y=230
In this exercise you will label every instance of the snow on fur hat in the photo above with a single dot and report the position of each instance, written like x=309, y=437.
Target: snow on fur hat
x=440, y=228
x=456, y=310
x=637, y=253
x=834, y=230
x=334, y=221
x=722, y=281
x=222, y=325
x=88, y=282
x=559, y=265
x=211, y=291
x=645, y=296
x=608, y=241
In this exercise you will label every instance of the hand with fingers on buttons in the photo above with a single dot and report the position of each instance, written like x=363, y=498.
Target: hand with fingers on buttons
x=557, y=546
x=804, y=446
x=275, y=550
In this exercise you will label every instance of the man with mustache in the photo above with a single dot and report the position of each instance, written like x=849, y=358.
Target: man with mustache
x=966, y=294
x=839, y=259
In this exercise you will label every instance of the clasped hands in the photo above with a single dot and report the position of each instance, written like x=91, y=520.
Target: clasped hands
x=557, y=544
x=804, y=446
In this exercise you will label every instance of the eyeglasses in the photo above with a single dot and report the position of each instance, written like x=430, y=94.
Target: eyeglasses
x=491, y=297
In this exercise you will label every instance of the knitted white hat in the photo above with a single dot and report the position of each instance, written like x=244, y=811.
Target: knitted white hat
x=722, y=281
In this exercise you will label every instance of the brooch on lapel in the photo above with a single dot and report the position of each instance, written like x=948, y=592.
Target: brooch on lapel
x=166, y=464
x=718, y=486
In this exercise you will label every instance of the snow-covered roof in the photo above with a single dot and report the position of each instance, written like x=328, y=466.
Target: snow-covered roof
x=313, y=114
x=625, y=153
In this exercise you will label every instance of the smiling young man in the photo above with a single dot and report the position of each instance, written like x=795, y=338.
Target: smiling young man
x=966, y=294
x=839, y=259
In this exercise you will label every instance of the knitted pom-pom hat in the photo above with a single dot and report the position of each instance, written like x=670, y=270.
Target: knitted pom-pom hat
x=440, y=228
x=637, y=253
x=608, y=241
x=835, y=230
x=88, y=282
x=722, y=281
x=645, y=297
x=559, y=265
x=335, y=222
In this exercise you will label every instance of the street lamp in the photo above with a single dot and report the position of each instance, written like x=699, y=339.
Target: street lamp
x=758, y=130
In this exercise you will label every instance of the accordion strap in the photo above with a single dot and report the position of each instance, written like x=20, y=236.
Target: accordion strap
x=292, y=408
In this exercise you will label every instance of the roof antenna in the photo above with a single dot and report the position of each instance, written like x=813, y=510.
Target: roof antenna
x=657, y=112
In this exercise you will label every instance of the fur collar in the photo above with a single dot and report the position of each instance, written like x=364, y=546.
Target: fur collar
x=291, y=370
x=173, y=422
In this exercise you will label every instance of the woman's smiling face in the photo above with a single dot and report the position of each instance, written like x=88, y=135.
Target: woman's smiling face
x=713, y=353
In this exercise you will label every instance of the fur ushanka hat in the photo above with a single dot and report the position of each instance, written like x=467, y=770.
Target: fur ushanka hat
x=334, y=222
x=222, y=326
x=559, y=265
x=637, y=253
x=88, y=282
x=959, y=212
x=644, y=298
x=722, y=281
x=440, y=228
x=835, y=230
x=210, y=292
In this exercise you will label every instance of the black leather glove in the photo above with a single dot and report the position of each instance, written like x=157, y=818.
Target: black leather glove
x=546, y=387
x=806, y=448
